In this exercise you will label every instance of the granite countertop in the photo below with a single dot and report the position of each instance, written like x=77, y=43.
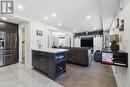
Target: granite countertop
x=51, y=50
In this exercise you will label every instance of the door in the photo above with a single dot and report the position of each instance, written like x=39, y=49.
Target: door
x=13, y=48
x=23, y=45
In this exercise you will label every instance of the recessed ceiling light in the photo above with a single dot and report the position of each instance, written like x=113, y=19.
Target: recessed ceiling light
x=20, y=7
x=59, y=24
x=4, y=18
x=95, y=28
x=88, y=17
x=54, y=15
x=46, y=18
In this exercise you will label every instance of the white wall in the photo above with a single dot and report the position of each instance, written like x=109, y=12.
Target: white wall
x=77, y=42
x=33, y=41
x=67, y=40
x=38, y=40
x=72, y=40
x=97, y=43
x=123, y=74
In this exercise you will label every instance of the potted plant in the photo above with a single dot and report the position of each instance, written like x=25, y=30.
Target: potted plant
x=114, y=45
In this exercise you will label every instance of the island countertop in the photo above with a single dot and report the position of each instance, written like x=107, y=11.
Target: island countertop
x=51, y=50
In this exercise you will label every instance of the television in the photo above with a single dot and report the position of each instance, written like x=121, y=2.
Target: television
x=87, y=42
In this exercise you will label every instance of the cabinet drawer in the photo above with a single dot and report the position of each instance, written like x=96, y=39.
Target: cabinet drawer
x=43, y=55
x=43, y=59
x=44, y=69
x=35, y=53
x=35, y=58
x=43, y=63
x=35, y=63
x=44, y=66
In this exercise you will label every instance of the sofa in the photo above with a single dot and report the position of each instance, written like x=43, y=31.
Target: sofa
x=78, y=55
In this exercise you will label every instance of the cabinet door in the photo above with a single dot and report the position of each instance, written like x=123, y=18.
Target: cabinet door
x=35, y=54
x=43, y=55
x=44, y=61
x=35, y=59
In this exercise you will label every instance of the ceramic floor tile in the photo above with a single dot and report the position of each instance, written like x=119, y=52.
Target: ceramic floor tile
x=17, y=76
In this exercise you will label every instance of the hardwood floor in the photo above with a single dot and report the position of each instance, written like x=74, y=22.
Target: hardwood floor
x=96, y=75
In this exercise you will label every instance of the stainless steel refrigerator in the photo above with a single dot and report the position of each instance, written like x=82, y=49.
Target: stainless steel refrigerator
x=8, y=48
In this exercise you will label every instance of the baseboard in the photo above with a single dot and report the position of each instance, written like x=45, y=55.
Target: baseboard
x=116, y=76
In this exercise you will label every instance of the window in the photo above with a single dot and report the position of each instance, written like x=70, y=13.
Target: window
x=62, y=41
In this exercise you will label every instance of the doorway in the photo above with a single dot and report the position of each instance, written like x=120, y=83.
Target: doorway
x=22, y=44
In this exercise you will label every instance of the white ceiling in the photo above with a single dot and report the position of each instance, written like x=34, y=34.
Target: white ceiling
x=70, y=13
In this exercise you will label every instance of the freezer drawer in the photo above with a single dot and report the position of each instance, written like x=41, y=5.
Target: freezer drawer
x=9, y=59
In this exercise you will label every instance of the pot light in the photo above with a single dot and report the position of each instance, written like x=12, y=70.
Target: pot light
x=45, y=18
x=54, y=15
x=20, y=7
x=88, y=17
x=95, y=28
x=59, y=24
x=4, y=18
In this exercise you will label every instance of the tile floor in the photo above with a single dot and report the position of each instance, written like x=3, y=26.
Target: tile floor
x=17, y=76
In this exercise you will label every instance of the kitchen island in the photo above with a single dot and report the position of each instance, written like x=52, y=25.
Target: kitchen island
x=50, y=61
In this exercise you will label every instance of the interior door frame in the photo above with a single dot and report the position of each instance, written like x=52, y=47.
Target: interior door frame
x=20, y=42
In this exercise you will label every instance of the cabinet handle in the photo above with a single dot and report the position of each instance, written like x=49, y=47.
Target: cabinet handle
x=42, y=60
x=42, y=67
x=42, y=53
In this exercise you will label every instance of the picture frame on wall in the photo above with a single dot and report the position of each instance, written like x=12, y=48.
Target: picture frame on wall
x=122, y=26
x=117, y=23
x=38, y=33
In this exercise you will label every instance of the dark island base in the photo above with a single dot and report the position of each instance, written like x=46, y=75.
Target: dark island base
x=52, y=64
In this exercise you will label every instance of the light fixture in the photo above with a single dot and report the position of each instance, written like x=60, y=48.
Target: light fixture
x=59, y=24
x=88, y=17
x=20, y=7
x=54, y=15
x=4, y=18
x=45, y=18
x=95, y=28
